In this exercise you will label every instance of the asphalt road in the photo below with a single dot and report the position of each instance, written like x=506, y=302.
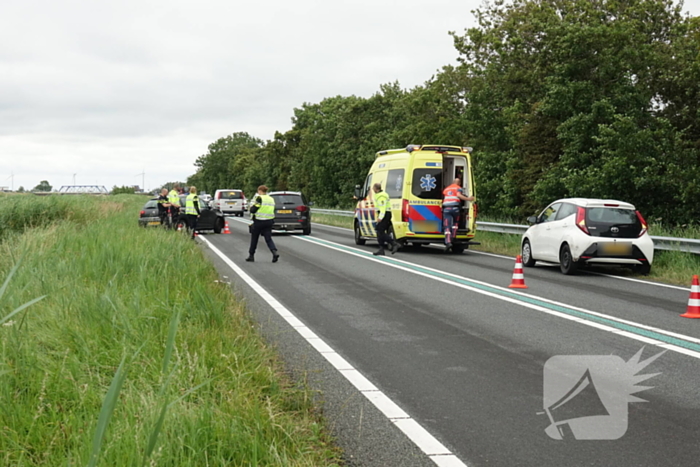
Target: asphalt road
x=471, y=361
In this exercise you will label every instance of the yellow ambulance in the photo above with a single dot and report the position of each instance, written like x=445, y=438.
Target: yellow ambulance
x=414, y=179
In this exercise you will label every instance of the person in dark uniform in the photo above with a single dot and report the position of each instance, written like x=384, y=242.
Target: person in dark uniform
x=163, y=206
x=263, y=210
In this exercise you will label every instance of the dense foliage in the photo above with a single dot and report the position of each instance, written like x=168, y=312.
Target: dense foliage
x=559, y=98
x=43, y=186
x=123, y=190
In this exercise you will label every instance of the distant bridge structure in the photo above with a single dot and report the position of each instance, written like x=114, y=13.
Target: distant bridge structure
x=83, y=189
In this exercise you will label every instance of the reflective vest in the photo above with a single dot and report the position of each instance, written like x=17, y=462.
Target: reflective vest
x=381, y=201
x=190, y=210
x=266, y=208
x=174, y=197
x=450, y=197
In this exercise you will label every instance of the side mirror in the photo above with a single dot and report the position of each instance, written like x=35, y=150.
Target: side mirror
x=358, y=192
x=532, y=220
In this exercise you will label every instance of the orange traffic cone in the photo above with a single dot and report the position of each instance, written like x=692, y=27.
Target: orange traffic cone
x=518, y=281
x=693, y=310
x=226, y=230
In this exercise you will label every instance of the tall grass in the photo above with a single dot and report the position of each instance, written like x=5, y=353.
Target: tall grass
x=137, y=355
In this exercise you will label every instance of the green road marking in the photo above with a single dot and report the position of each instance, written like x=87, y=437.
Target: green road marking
x=531, y=300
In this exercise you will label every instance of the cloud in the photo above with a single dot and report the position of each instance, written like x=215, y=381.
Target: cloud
x=110, y=89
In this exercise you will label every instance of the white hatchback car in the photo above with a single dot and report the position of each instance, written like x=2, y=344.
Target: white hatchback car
x=580, y=231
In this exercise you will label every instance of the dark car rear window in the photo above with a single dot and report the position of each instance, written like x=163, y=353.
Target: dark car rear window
x=611, y=216
x=288, y=200
x=231, y=195
x=151, y=204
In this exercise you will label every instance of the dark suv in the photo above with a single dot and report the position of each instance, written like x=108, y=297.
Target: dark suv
x=291, y=211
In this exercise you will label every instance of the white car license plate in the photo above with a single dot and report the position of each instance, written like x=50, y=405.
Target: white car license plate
x=616, y=248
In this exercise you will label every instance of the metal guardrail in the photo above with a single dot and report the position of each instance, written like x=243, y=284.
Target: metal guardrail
x=688, y=245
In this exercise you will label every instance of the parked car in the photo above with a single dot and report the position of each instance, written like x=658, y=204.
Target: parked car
x=579, y=231
x=209, y=218
x=149, y=213
x=291, y=211
x=229, y=202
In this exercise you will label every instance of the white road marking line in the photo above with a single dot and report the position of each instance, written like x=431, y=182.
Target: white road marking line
x=433, y=448
x=553, y=302
x=622, y=278
x=363, y=254
x=331, y=226
x=510, y=258
x=492, y=254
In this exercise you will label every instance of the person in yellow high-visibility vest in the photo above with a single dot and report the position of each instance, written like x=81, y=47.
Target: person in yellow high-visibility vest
x=174, y=200
x=263, y=210
x=383, y=205
x=192, y=209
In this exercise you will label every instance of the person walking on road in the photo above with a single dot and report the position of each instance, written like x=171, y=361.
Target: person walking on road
x=453, y=196
x=383, y=205
x=192, y=209
x=263, y=210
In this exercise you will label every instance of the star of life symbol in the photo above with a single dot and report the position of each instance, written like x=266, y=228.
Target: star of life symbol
x=587, y=396
x=428, y=182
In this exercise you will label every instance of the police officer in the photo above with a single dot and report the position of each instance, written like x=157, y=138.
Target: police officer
x=163, y=206
x=174, y=200
x=453, y=196
x=192, y=209
x=382, y=203
x=263, y=210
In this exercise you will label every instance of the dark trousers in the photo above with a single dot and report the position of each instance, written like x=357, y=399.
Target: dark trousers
x=263, y=228
x=450, y=222
x=191, y=223
x=382, y=227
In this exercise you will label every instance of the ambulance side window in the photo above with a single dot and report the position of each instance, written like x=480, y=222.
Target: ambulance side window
x=394, y=183
x=368, y=185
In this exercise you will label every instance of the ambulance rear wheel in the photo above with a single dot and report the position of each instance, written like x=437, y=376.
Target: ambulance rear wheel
x=458, y=249
x=358, y=235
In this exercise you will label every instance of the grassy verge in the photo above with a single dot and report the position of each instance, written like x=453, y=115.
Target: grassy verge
x=670, y=267
x=137, y=355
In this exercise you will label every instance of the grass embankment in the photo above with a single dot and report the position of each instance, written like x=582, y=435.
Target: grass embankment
x=671, y=267
x=136, y=355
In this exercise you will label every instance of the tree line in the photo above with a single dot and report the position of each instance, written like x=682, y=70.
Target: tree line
x=558, y=98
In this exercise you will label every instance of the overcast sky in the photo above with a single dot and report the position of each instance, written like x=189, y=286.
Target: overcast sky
x=99, y=93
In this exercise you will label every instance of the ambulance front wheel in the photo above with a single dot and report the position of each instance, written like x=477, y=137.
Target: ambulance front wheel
x=358, y=236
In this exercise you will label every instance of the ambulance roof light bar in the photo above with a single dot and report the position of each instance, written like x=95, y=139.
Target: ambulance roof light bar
x=413, y=147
